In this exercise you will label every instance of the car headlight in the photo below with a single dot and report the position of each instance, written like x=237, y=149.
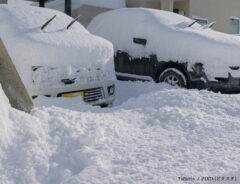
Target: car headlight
x=111, y=90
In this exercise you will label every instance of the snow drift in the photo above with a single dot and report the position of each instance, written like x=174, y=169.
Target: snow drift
x=23, y=148
x=55, y=46
x=169, y=37
x=155, y=134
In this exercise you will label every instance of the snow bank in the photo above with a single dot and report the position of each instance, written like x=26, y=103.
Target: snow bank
x=55, y=46
x=111, y=4
x=169, y=38
x=23, y=147
x=152, y=136
x=5, y=123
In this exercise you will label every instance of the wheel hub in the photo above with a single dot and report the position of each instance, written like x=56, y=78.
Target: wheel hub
x=172, y=80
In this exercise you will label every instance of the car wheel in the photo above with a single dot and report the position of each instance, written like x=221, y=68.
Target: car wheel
x=173, y=77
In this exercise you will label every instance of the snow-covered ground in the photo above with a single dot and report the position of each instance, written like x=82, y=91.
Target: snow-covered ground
x=153, y=134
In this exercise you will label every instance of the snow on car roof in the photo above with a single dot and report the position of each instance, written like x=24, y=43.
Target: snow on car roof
x=55, y=45
x=169, y=37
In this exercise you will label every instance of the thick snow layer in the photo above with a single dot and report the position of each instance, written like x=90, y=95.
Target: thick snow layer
x=111, y=4
x=55, y=46
x=154, y=134
x=169, y=37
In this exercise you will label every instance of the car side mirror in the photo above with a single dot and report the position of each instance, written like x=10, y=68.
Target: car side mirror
x=140, y=41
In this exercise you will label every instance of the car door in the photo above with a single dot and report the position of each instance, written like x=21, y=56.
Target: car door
x=143, y=68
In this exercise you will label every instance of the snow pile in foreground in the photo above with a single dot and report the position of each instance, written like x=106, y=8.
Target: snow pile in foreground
x=154, y=134
x=55, y=46
x=112, y=4
x=24, y=150
x=169, y=37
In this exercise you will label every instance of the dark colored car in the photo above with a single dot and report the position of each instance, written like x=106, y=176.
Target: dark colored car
x=167, y=47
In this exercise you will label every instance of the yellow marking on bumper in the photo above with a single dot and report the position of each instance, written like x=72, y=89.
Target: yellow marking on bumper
x=104, y=102
x=70, y=95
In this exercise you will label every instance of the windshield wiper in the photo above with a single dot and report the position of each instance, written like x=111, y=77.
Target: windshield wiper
x=50, y=20
x=190, y=25
x=209, y=25
x=73, y=21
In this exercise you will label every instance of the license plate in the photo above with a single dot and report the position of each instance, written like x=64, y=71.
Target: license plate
x=75, y=94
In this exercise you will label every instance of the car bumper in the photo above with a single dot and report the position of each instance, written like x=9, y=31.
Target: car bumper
x=91, y=93
x=228, y=85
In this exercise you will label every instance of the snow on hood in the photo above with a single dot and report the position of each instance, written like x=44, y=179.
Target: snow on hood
x=111, y=4
x=55, y=46
x=169, y=37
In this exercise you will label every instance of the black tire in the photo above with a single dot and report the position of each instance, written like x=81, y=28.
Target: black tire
x=173, y=77
x=106, y=105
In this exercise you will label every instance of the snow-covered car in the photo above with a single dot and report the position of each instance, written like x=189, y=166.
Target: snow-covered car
x=167, y=47
x=56, y=56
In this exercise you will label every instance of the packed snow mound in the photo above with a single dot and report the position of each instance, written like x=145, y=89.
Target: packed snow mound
x=111, y=4
x=23, y=147
x=55, y=46
x=4, y=120
x=154, y=134
x=169, y=37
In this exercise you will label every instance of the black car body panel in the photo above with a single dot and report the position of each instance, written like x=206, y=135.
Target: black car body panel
x=129, y=68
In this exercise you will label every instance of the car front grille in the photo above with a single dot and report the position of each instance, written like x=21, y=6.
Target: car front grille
x=91, y=95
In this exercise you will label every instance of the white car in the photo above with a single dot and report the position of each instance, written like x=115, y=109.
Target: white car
x=168, y=47
x=56, y=56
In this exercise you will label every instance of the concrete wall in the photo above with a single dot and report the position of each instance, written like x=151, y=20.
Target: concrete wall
x=11, y=82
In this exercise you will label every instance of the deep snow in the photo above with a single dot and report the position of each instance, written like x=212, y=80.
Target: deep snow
x=154, y=134
x=169, y=38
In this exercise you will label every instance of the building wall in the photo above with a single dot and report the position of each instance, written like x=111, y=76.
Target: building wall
x=216, y=10
x=154, y=5
x=136, y=3
x=3, y=1
x=213, y=10
x=87, y=13
x=182, y=6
